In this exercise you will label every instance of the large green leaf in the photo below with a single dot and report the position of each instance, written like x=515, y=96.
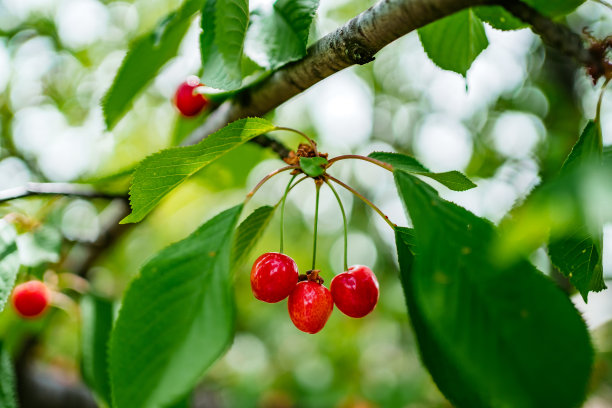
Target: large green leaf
x=280, y=34
x=224, y=27
x=491, y=334
x=249, y=232
x=177, y=318
x=9, y=261
x=578, y=253
x=454, y=42
x=8, y=397
x=161, y=172
x=453, y=180
x=146, y=56
x=97, y=322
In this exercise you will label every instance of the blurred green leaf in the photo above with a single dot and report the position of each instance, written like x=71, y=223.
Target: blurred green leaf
x=454, y=42
x=161, y=172
x=39, y=246
x=554, y=8
x=9, y=261
x=146, y=56
x=224, y=26
x=499, y=18
x=313, y=166
x=453, y=180
x=177, y=318
x=488, y=323
x=8, y=397
x=578, y=254
x=249, y=232
x=97, y=323
x=280, y=34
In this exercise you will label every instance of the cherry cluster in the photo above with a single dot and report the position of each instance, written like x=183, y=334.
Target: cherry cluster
x=275, y=276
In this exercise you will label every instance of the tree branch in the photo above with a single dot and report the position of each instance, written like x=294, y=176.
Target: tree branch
x=67, y=189
x=356, y=42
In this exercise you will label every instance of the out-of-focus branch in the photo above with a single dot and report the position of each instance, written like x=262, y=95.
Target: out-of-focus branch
x=560, y=37
x=66, y=189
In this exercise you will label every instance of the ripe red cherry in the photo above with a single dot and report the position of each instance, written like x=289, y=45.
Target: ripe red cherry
x=188, y=102
x=355, y=292
x=273, y=277
x=310, y=305
x=31, y=299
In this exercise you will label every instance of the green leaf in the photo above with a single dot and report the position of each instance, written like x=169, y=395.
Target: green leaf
x=280, y=35
x=607, y=155
x=453, y=180
x=554, y=8
x=491, y=335
x=40, y=246
x=97, y=323
x=586, y=151
x=161, y=172
x=578, y=254
x=249, y=232
x=8, y=396
x=499, y=18
x=9, y=261
x=146, y=56
x=177, y=318
x=313, y=166
x=454, y=42
x=224, y=26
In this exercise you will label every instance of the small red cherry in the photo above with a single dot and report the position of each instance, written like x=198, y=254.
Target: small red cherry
x=310, y=305
x=355, y=292
x=31, y=299
x=273, y=277
x=187, y=101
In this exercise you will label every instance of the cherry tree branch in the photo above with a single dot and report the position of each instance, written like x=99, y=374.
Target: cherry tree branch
x=67, y=189
x=357, y=41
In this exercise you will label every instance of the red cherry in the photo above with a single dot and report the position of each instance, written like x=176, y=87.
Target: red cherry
x=188, y=102
x=273, y=277
x=355, y=292
x=310, y=305
x=30, y=299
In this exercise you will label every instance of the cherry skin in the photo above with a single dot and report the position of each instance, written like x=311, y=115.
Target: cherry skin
x=310, y=305
x=355, y=292
x=188, y=102
x=273, y=277
x=31, y=299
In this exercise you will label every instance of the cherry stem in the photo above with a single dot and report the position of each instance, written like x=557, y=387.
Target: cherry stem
x=365, y=200
x=268, y=177
x=344, y=222
x=316, y=222
x=364, y=158
x=282, y=214
x=304, y=135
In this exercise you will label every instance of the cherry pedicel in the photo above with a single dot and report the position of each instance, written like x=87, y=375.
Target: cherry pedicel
x=273, y=277
x=31, y=299
x=310, y=305
x=355, y=292
x=187, y=101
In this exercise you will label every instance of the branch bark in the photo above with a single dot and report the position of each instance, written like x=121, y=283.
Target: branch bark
x=356, y=42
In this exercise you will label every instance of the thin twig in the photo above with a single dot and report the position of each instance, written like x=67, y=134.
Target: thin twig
x=66, y=189
x=364, y=158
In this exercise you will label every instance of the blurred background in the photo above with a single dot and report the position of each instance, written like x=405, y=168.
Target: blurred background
x=508, y=126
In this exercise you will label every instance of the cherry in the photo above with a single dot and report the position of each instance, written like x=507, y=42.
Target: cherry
x=273, y=277
x=310, y=305
x=355, y=292
x=31, y=299
x=188, y=102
